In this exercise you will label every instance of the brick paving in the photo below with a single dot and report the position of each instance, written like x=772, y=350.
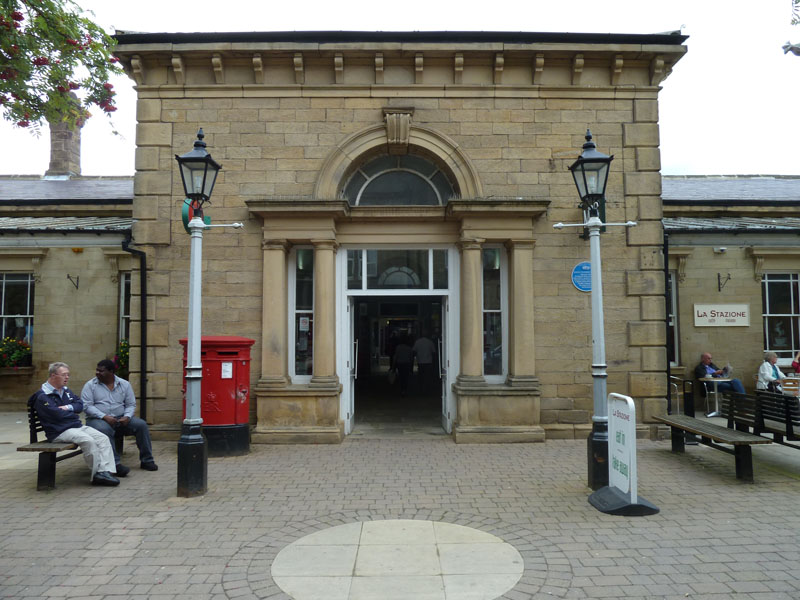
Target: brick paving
x=714, y=538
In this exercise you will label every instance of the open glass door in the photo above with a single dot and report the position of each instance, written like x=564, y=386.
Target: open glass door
x=448, y=401
x=347, y=329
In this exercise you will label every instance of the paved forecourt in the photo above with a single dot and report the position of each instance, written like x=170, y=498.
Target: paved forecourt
x=414, y=495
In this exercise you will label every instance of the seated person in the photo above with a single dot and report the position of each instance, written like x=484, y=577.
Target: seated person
x=706, y=368
x=769, y=375
x=58, y=408
x=796, y=363
x=109, y=404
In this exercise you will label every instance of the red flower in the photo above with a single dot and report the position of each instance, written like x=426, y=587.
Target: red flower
x=73, y=86
x=72, y=42
x=113, y=60
x=17, y=16
x=61, y=89
x=108, y=86
x=23, y=123
x=40, y=61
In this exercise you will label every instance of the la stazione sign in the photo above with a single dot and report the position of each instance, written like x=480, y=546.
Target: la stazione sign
x=721, y=315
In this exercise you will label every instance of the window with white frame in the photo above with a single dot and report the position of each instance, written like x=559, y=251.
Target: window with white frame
x=124, y=306
x=16, y=306
x=780, y=299
x=494, y=344
x=673, y=350
x=302, y=304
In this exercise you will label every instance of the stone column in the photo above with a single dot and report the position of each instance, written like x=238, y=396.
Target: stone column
x=274, y=314
x=521, y=346
x=324, y=371
x=471, y=313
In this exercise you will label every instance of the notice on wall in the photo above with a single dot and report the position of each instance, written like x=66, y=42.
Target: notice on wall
x=721, y=315
x=582, y=276
x=227, y=370
x=303, y=323
x=622, y=445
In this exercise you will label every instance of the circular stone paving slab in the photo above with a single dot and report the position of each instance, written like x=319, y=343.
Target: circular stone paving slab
x=397, y=559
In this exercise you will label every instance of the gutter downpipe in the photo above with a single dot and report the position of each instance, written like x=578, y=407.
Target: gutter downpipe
x=670, y=341
x=142, y=324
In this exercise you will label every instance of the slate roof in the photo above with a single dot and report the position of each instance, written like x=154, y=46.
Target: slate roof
x=736, y=188
x=87, y=189
x=733, y=224
x=65, y=224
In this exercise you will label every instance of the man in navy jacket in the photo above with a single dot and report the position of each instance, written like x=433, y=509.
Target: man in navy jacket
x=58, y=408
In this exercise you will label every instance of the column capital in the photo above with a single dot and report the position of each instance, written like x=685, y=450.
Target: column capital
x=326, y=244
x=471, y=243
x=275, y=244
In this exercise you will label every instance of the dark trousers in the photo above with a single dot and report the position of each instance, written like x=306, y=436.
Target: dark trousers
x=403, y=374
x=136, y=427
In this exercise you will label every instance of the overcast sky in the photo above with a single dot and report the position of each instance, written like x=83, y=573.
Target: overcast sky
x=729, y=107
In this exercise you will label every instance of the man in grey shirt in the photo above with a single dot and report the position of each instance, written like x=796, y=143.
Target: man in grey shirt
x=109, y=404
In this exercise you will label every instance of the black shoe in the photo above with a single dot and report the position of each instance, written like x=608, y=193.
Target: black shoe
x=104, y=478
x=122, y=470
x=149, y=466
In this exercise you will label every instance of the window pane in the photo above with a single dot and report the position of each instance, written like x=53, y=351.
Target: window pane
x=398, y=188
x=16, y=296
x=443, y=186
x=492, y=344
x=440, y=269
x=304, y=343
x=779, y=333
x=415, y=163
x=780, y=301
x=397, y=269
x=354, y=269
x=380, y=164
x=304, y=287
x=491, y=279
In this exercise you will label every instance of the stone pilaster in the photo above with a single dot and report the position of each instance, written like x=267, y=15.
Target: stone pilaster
x=521, y=346
x=324, y=371
x=471, y=317
x=274, y=358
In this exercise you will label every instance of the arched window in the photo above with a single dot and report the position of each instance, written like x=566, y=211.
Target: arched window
x=406, y=180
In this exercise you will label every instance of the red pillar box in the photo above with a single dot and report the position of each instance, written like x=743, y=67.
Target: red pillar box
x=225, y=393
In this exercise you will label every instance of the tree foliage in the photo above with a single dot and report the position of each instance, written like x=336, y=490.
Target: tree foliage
x=795, y=12
x=55, y=63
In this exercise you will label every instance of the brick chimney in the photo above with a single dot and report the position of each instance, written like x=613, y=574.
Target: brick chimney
x=65, y=151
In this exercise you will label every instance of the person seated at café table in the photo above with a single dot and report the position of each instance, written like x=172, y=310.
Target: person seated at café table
x=769, y=375
x=706, y=368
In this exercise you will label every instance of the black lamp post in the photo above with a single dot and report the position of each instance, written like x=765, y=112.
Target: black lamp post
x=590, y=172
x=198, y=173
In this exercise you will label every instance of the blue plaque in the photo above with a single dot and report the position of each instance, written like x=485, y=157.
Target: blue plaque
x=582, y=276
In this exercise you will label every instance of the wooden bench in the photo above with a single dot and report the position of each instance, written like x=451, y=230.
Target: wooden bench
x=49, y=451
x=712, y=435
x=778, y=414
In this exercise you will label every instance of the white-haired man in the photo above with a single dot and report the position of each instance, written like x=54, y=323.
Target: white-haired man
x=58, y=408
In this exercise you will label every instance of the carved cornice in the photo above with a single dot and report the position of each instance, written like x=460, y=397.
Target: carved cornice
x=616, y=69
x=178, y=70
x=595, y=65
x=216, y=64
x=577, y=69
x=379, y=68
x=760, y=253
x=258, y=69
x=681, y=255
x=34, y=254
x=499, y=62
x=458, y=68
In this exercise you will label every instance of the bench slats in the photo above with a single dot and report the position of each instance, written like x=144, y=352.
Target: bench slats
x=715, y=432
x=47, y=447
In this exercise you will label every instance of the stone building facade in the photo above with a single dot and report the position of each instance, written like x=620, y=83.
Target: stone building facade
x=733, y=245
x=392, y=183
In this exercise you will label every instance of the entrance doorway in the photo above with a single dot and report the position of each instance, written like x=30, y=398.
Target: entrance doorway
x=385, y=297
x=387, y=394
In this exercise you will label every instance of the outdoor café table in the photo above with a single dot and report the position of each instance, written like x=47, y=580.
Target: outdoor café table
x=716, y=381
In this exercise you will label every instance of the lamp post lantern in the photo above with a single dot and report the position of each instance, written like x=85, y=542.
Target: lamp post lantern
x=198, y=174
x=590, y=172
